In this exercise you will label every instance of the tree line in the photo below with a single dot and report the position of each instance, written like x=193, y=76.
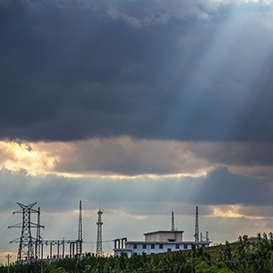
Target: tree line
x=247, y=257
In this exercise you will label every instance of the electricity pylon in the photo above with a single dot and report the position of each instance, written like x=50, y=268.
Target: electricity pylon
x=25, y=250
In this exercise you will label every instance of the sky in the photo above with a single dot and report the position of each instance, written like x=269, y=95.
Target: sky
x=150, y=106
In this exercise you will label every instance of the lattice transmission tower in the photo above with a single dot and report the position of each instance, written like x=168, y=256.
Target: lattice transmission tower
x=25, y=250
x=80, y=229
x=38, y=236
x=99, y=234
x=196, y=235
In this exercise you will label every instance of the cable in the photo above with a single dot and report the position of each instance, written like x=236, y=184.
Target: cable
x=4, y=247
x=6, y=222
x=10, y=215
x=88, y=242
x=6, y=230
x=47, y=234
x=49, y=225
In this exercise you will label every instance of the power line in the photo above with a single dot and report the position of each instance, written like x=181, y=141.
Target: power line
x=6, y=221
x=89, y=242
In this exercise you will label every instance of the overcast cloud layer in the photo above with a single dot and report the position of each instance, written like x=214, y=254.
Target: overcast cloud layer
x=218, y=187
x=147, y=69
x=147, y=105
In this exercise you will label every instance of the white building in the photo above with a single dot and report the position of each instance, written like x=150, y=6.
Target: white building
x=155, y=242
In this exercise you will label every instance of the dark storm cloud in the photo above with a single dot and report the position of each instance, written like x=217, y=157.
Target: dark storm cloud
x=251, y=154
x=72, y=72
x=126, y=156
x=137, y=196
x=222, y=187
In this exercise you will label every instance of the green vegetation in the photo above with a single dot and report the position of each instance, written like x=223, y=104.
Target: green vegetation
x=242, y=257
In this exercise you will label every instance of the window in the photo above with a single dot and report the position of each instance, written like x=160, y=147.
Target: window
x=177, y=246
x=144, y=246
x=135, y=246
x=169, y=250
x=185, y=246
x=152, y=246
x=160, y=246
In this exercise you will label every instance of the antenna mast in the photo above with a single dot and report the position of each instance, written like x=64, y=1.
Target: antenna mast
x=80, y=229
x=196, y=235
x=99, y=234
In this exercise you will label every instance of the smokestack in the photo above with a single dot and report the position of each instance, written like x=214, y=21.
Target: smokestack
x=172, y=228
x=196, y=235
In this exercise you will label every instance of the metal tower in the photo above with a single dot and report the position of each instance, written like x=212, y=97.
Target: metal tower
x=196, y=235
x=80, y=229
x=38, y=237
x=25, y=250
x=99, y=234
x=172, y=221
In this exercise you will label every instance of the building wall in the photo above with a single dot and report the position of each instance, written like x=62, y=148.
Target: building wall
x=164, y=237
x=154, y=247
x=150, y=248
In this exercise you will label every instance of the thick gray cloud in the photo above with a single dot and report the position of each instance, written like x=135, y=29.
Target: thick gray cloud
x=128, y=68
x=219, y=187
x=222, y=187
x=130, y=157
x=127, y=157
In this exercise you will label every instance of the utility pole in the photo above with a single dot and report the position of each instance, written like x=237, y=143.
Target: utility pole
x=8, y=256
x=80, y=229
x=99, y=234
x=196, y=235
x=25, y=250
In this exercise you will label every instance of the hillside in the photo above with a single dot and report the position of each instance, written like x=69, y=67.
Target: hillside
x=213, y=251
